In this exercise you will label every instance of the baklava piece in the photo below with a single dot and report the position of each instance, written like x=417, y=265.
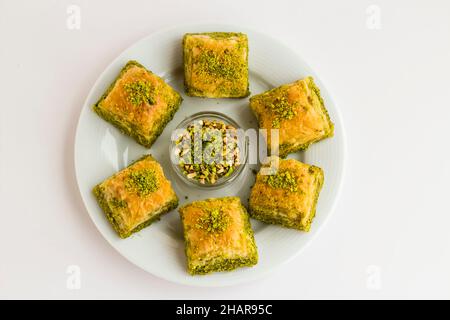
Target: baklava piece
x=139, y=103
x=216, y=65
x=135, y=197
x=218, y=235
x=297, y=111
x=289, y=196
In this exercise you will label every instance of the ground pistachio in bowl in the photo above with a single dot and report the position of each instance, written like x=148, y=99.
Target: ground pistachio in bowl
x=207, y=151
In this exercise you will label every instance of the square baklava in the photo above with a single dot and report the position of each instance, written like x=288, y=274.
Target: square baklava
x=137, y=196
x=218, y=235
x=139, y=103
x=297, y=110
x=289, y=196
x=216, y=64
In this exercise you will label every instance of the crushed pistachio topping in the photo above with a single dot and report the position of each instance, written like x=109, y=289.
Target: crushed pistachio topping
x=227, y=64
x=208, y=150
x=118, y=203
x=223, y=35
x=143, y=182
x=282, y=180
x=139, y=92
x=214, y=221
x=283, y=110
x=316, y=90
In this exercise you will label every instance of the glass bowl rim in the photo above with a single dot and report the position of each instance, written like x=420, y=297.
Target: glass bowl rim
x=223, y=180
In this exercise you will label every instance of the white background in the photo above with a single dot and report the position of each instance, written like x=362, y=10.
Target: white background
x=389, y=236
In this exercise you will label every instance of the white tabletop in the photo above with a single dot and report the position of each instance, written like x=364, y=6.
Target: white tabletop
x=387, y=66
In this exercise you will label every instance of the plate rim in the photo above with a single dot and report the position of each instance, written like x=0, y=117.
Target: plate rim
x=264, y=272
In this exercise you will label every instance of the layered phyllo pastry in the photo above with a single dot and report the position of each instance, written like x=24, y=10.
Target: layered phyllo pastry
x=139, y=103
x=297, y=110
x=288, y=197
x=216, y=64
x=218, y=235
x=137, y=196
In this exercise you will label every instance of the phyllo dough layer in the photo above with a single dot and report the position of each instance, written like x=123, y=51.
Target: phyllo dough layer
x=218, y=235
x=216, y=65
x=297, y=110
x=135, y=197
x=139, y=103
x=289, y=197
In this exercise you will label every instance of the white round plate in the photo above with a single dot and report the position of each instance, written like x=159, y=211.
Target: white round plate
x=101, y=150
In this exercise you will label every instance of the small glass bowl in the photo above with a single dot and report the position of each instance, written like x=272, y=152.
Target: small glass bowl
x=242, y=145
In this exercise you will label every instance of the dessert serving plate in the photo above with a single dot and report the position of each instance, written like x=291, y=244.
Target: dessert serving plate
x=101, y=150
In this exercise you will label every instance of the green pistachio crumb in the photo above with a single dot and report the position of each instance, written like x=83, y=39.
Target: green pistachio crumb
x=316, y=90
x=215, y=154
x=227, y=64
x=143, y=182
x=118, y=203
x=214, y=221
x=283, y=110
x=140, y=92
x=282, y=180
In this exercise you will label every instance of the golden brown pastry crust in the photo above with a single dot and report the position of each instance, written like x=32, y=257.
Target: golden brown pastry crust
x=218, y=250
x=128, y=210
x=143, y=122
x=292, y=209
x=308, y=121
x=216, y=64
